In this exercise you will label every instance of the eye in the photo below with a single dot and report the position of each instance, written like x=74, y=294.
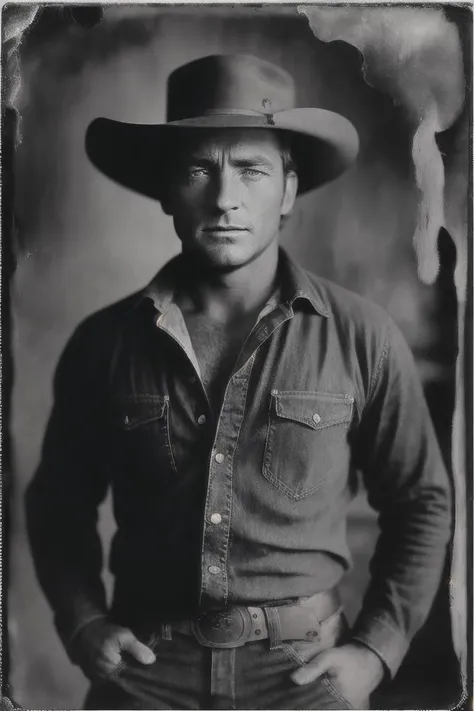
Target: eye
x=197, y=172
x=253, y=172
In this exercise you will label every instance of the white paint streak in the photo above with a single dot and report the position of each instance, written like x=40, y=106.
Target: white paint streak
x=15, y=22
x=429, y=171
x=414, y=55
x=458, y=579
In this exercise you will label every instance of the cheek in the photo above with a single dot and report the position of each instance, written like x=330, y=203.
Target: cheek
x=188, y=205
x=264, y=206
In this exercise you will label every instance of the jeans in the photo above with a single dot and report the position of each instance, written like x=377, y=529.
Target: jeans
x=187, y=675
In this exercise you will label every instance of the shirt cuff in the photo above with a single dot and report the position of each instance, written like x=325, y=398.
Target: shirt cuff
x=68, y=635
x=387, y=643
x=84, y=623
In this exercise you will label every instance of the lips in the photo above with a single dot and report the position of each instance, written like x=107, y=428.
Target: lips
x=224, y=228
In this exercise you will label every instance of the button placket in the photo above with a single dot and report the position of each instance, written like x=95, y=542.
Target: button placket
x=215, y=541
x=217, y=521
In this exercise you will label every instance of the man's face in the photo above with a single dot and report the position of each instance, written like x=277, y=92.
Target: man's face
x=227, y=194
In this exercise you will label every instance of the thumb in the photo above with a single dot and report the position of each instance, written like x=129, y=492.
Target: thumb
x=137, y=649
x=314, y=669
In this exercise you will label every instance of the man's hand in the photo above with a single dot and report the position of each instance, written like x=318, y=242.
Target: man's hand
x=99, y=646
x=353, y=668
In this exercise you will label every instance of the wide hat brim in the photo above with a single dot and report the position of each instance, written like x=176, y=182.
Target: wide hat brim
x=324, y=144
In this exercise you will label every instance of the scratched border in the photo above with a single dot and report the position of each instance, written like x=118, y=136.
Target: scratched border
x=16, y=20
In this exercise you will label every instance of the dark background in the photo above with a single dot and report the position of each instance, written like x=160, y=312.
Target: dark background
x=82, y=242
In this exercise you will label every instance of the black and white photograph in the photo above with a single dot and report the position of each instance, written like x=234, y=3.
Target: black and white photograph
x=237, y=356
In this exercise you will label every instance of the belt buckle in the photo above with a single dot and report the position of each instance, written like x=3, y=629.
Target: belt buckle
x=223, y=629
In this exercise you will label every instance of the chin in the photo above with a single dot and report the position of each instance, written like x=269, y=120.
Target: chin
x=225, y=257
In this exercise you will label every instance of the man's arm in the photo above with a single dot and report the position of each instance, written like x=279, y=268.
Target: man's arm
x=396, y=449
x=63, y=498
x=407, y=483
x=62, y=509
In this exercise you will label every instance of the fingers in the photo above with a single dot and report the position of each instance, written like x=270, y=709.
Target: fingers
x=102, y=652
x=314, y=669
x=110, y=655
x=143, y=654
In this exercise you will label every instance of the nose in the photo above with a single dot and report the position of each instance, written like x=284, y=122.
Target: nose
x=227, y=196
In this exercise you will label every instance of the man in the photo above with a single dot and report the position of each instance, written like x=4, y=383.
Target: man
x=229, y=406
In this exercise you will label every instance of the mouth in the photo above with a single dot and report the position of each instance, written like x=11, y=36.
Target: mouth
x=224, y=229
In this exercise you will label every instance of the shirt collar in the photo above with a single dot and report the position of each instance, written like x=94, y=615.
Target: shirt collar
x=296, y=285
x=162, y=287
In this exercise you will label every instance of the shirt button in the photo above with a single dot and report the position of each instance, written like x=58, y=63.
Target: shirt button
x=216, y=518
x=201, y=419
x=219, y=457
x=214, y=569
x=192, y=379
x=316, y=418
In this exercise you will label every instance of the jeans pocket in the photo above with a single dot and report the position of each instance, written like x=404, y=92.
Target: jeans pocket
x=335, y=693
x=306, y=440
x=117, y=670
x=333, y=630
x=301, y=651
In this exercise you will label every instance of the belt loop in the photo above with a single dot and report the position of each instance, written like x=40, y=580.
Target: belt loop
x=274, y=627
x=166, y=631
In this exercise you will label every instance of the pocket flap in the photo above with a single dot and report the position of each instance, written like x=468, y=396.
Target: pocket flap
x=316, y=410
x=136, y=411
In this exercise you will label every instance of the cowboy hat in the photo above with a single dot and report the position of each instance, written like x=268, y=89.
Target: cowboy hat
x=225, y=91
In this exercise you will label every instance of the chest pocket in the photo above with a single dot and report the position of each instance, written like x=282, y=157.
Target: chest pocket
x=142, y=423
x=306, y=439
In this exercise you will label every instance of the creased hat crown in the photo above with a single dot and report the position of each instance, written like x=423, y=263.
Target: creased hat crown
x=228, y=84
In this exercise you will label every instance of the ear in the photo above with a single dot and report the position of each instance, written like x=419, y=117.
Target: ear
x=289, y=196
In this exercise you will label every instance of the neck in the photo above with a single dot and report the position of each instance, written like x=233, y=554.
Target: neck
x=222, y=295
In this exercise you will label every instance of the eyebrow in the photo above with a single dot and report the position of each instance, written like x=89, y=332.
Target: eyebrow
x=244, y=162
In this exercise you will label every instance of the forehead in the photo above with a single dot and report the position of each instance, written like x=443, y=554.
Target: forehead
x=231, y=140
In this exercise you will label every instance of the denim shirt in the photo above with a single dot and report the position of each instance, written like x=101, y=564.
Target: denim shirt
x=247, y=505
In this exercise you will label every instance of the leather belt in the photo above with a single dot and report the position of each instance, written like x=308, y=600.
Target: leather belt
x=308, y=618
